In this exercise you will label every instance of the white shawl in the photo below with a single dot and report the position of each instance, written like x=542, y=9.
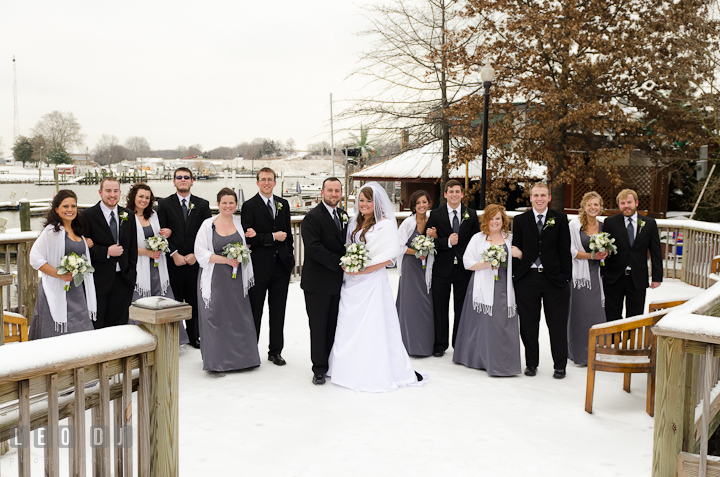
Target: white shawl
x=203, y=252
x=50, y=248
x=580, y=267
x=405, y=230
x=382, y=241
x=143, y=285
x=483, y=292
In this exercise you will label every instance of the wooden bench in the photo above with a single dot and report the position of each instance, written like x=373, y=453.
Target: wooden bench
x=15, y=327
x=626, y=346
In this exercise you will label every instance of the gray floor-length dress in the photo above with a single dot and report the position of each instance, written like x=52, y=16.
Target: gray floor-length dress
x=227, y=327
x=78, y=318
x=415, y=307
x=586, y=310
x=155, y=288
x=489, y=342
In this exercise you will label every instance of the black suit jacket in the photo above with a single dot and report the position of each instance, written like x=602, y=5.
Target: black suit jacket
x=445, y=258
x=183, y=235
x=324, y=245
x=647, y=239
x=99, y=231
x=552, y=246
x=255, y=215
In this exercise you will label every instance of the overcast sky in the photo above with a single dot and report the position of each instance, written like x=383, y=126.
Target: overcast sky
x=179, y=72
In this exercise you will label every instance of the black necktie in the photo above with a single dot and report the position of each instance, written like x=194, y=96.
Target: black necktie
x=337, y=220
x=540, y=227
x=113, y=226
x=185, y=210
x=270, y=209
x=630, y=231
x=456, y=223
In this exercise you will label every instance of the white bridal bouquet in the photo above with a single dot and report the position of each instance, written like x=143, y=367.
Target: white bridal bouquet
x=424, y=246
x=496, y=256
x=356, y=257
x=76, y=264
x=157, y=243
x=237, y=251
x=602, y=242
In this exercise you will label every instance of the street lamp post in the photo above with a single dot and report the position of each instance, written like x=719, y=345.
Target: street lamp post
x=487, y=74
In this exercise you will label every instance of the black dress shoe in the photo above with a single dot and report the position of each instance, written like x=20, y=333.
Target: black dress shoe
x=318, y=378
x=559, y=374
x=438, y=354
x=530, y=370
x=418, y=376
x=277, y=359
x=195, y=344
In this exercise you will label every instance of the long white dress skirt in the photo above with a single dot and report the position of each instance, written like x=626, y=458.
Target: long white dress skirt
x=368, y=353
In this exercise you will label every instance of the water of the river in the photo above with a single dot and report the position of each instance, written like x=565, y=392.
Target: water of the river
x=89, y=194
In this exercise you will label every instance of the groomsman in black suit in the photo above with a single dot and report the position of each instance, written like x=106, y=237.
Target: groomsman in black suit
x=454, y=225
x=114, y=255
x=272, y=256
x=183, y=213
x=625, y=275
x=542, y=278
x=323, y=232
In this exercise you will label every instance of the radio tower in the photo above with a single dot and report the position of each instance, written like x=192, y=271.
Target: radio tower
x=16, y=119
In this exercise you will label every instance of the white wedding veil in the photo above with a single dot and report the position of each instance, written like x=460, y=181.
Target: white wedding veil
x=383, y=207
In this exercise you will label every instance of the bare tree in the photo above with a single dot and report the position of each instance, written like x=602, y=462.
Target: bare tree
x=108, y=150
x=290, y=145
x=40, y=149
x=410, y=62
x=60, y=129
x=138, y=146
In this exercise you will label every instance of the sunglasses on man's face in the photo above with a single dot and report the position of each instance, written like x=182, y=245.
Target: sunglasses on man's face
x=179, y=178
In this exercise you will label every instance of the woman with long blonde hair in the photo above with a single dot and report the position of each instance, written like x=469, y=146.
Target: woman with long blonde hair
x=587, y=302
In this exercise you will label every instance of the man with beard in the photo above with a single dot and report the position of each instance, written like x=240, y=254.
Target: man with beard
x=114, y=255
x=323, y=232
x=625, y=275
x=183, y=213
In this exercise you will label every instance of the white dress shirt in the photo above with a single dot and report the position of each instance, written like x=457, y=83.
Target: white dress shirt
x=106, y=212
x=634, y=218
x=544, y=219
x=451, y=216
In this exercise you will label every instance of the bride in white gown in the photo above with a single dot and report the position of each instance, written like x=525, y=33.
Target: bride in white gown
x=368, y=353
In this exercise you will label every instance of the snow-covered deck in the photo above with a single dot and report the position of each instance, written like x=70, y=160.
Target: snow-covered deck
x=273, y=421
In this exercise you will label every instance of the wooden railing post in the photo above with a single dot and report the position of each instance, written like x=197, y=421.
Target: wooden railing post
x=669, y=405
x=162, y=320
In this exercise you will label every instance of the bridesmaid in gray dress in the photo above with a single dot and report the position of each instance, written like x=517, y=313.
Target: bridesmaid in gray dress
x=587, y=302
x=141, y=200
x=488, y=333
x=63, y=212
x=414, y=302
x=229, y=340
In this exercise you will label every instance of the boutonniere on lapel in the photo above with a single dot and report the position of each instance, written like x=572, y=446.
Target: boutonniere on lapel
x=465, y=216
x=191, y=207
x=123, y=216
x=278, y=207
x=344, y=218
x=550, y=222
x=641, y=224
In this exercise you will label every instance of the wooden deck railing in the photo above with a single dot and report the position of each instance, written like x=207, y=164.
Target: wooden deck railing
x=24, y=290
x=43, y=382
x=686, y=398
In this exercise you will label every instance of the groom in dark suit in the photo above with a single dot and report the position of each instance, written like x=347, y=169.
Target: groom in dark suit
x=272, y=256
x=625, y=275
x=542, y=278
x=454, y=225
x=114, y=255
x=323, y=233
x=184, y=213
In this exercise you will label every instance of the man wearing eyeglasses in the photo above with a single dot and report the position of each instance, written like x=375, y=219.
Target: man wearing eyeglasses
x=183, y=213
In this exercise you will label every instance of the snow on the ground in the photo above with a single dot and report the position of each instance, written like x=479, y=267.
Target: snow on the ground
x=273, y=421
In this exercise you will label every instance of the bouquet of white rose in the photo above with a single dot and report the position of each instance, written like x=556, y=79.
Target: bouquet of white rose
x=356, y=257
x=496, y=256
x=602, y=242
x=157, y=243
x=424, y=246
x=76, y=264
x=237, y=251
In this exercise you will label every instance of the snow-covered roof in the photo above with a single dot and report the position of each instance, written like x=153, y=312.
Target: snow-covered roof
x=425, y=162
